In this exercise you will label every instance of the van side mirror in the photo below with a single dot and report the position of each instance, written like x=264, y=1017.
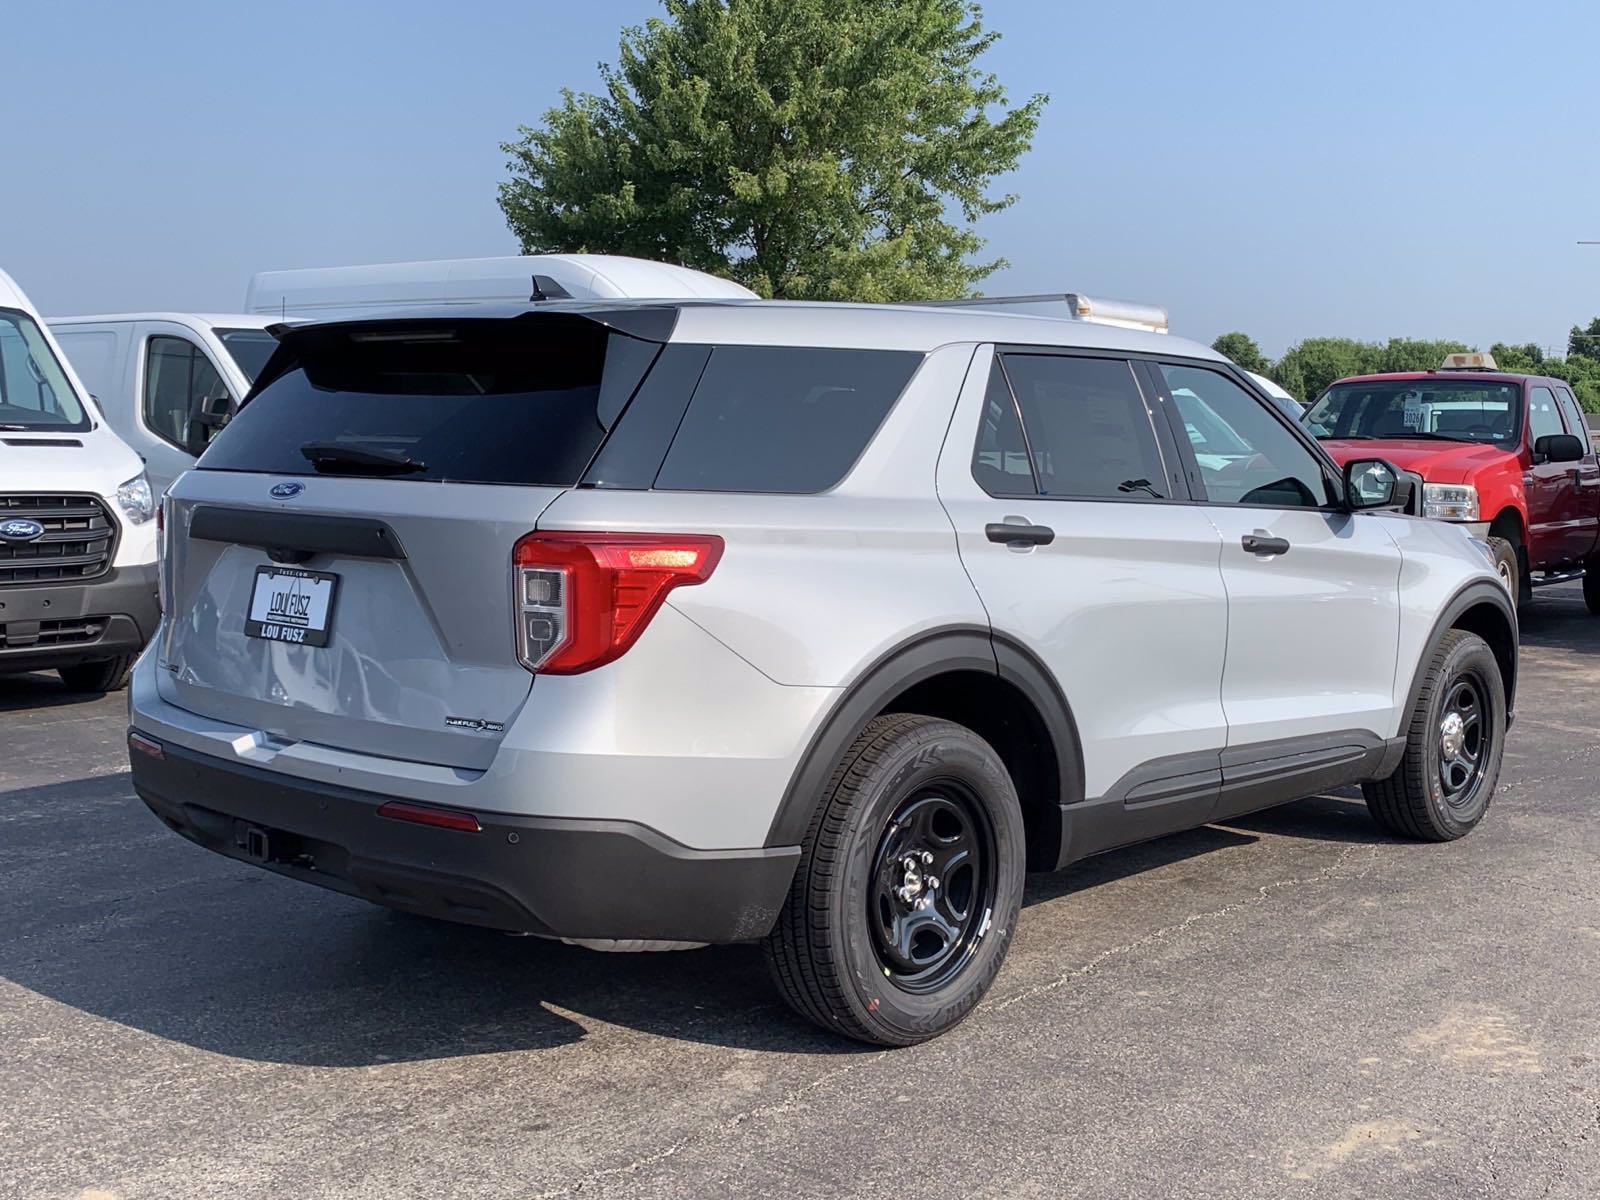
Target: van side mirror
x=1370, y=483
x=1558, y=448
x=202, y=428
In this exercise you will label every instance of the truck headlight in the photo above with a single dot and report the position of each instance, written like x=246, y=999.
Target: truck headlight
x=1450, y=501
x=136, y=500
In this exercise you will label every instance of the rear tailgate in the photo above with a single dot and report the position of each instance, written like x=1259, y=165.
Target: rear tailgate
x=339, y=566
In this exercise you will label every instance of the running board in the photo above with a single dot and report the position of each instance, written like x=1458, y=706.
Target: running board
x=1554, y=577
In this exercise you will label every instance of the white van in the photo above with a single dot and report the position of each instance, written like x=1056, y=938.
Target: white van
x=166, y=381
x=78, y=590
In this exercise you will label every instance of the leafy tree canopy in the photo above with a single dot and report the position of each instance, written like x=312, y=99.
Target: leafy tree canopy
x=814, y=149
x=1242, y=351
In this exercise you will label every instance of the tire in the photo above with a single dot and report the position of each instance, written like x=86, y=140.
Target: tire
x=1435, y=795
x=106, y=675
x=1509, y=567
x=1591, y=584
x=871, y=942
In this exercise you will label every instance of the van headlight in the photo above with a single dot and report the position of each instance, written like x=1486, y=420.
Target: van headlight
x=136, y=500
x=1450, y=501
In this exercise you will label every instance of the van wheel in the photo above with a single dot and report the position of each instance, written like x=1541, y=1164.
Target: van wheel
x=1442, y=787
x=1591, y=584
x=1508, y=566
x=107, y=675
x=908, y=888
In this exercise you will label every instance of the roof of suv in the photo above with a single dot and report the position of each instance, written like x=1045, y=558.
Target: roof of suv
x=833, y=324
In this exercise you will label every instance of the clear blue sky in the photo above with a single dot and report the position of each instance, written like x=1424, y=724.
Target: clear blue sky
x=1289, y=169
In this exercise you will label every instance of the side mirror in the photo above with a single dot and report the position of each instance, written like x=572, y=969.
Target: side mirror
x=202, y=429
x=1558, y=448
x=1370, y=483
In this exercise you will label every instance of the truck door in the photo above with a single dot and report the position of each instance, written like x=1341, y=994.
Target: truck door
x=1549, y=486
x=1586, y=498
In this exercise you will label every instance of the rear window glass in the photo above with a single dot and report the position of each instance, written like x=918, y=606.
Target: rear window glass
x=523, y=401
x=782, y=419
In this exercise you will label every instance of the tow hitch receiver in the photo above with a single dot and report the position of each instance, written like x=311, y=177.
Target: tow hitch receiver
x=254, y=842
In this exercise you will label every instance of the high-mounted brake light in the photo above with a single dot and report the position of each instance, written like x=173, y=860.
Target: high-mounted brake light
x=583, y=598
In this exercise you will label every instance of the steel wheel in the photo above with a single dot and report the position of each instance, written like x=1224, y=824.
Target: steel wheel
x=1464, y=740
x=933, y=887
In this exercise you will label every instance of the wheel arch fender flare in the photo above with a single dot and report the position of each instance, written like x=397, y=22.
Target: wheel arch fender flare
x=1479, y=595
x=938, y=652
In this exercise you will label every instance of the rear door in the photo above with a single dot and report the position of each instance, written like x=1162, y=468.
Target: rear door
x=1313, y=591
x=1062, y=493
x=1585, y=502
x=340, y=562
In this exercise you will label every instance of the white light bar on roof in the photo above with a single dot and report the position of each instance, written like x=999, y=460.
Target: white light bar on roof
x=1475, y=360
x=1073, y=306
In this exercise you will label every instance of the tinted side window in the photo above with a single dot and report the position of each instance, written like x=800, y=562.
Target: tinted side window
x=1543, y=419
x=1576, y=425
x=1000, y=461
x=1245, y=454
x=1087, y=426
x=782, y=418
x=168, y=364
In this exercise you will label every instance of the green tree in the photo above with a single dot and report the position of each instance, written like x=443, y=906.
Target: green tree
x=816, y=149
x=1242, y=351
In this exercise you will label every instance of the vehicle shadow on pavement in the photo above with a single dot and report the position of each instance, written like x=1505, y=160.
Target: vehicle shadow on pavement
x=114, y=916
x=20, y=692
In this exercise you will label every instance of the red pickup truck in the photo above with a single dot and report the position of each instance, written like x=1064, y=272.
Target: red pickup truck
x=1507, y=456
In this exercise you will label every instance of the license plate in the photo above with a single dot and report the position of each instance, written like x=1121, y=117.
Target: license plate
x=290, y=605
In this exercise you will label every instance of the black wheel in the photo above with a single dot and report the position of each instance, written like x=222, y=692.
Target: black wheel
x=107, y=675
x=1591, y=584
x=1443, y=785
x=908, y=888
x=1509, y=566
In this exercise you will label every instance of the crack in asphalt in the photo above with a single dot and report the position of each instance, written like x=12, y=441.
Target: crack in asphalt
x=1178, y=927
x=790, y=1101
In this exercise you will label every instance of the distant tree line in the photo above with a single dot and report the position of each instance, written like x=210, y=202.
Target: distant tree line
x=1311, y=365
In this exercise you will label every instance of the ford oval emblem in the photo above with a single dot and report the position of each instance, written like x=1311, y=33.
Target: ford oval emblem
x=284, y=491
x=20, y=529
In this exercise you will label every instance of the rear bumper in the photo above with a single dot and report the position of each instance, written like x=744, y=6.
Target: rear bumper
x=560, y=877
x=63, y=624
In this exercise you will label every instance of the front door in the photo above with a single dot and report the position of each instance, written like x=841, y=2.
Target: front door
x=1583, y=502
x=1549, y=486
x=1313, y=591
x=1062, y=495
x=178, y=383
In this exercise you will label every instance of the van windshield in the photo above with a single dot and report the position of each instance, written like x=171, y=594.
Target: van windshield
x=249, y=348
x=1457, y=410
x=34, y=392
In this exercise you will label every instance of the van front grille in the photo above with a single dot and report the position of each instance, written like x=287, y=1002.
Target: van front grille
x=51, y=633
x=76, y=543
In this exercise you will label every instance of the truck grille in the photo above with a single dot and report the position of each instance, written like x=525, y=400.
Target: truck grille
x=76, y=544
x=51, y=633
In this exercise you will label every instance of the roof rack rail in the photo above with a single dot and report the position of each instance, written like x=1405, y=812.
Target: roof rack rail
x=1072, y=306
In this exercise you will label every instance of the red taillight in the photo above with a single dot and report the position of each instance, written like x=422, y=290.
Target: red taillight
x=427, y=814
x=583, y=598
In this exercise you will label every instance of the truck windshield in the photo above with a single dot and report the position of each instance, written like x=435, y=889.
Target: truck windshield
x=1457, y=410
x=34, y=392
x=250, y=348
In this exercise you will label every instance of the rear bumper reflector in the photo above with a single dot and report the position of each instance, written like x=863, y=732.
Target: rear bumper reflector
x=427, y=814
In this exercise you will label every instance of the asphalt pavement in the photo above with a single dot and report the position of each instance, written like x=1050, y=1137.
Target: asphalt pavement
x=1290, y=1005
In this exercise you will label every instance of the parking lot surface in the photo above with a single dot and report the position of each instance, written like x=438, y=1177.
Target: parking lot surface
x=1293, y=1004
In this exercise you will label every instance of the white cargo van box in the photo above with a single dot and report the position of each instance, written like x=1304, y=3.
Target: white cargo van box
x=78, y=587
x=167, y=382
x=325, y=292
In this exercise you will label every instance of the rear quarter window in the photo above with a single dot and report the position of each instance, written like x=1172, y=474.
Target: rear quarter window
x=782, y=419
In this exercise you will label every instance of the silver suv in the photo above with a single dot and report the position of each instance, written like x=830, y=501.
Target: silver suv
x=813, y=625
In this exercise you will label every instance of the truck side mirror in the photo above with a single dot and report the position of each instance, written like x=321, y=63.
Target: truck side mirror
x=1370, y=483
x=202, y=428
x=1557, y=448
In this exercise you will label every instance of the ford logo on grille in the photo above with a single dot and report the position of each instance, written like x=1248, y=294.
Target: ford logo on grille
x=285, y=490
x=20, y=529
